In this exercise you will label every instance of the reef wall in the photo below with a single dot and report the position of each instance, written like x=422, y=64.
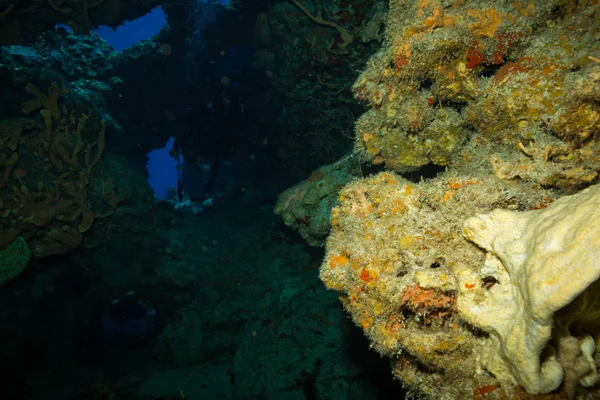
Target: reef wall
x=478, y=282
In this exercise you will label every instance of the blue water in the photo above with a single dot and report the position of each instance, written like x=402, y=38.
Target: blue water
x=133, y=32
x=162, y=170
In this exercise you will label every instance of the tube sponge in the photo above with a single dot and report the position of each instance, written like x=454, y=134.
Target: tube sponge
x=542, y=261
x=13, y=259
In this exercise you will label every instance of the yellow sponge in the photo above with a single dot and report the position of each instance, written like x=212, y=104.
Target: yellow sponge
x=542, y=260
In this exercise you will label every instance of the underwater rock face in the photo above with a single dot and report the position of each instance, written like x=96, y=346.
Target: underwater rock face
x=514, y=76
x=421, y=292
x=57, y=179
x=47, y=168
x=128, y=316
x=506, y=97
x=392, y=254
x=306, y=206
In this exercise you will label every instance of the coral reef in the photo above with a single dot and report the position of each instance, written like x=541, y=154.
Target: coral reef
x=421, y=292
x=306, y=206
x=393, y=253
x=469, y=263
x=505, y=97
x=467, y=74
x=47, y=167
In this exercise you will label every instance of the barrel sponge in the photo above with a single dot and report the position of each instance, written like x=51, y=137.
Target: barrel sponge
x=13, y=259
x=542, y=261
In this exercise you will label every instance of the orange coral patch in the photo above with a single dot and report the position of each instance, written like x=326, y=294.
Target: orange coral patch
x=398, y=207
x=509, y=69
x=315, y=176
x=454, y=184
x=402, y=56
x=439, y=19
x=423, y=5
x=366, y=323
x=488, y=21
x=483, y=390
x=416, y=296
x=339, y=260
x=20, y=173
x=448, y=195
x=365, y=276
